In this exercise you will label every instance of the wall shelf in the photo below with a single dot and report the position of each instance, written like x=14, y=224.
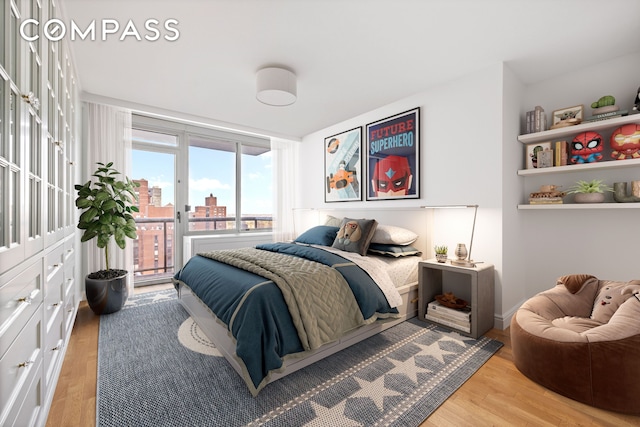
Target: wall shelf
x=556, y=134
x=567, y=133
x=566, y=206
x=609, y=164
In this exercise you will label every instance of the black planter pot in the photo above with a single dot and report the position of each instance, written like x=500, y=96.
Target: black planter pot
x=106, y=295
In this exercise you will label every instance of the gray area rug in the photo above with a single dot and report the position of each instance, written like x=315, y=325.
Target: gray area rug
x=156, y=368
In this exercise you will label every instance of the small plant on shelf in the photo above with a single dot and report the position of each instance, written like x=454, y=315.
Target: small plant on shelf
x=441, y=252
x=589, y=191
x=593, y=186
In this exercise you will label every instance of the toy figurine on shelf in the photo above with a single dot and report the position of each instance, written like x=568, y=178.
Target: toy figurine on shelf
x=625, y=142
x=586, y=147
x=548, y=194
x=606, y=104
x=636, y=103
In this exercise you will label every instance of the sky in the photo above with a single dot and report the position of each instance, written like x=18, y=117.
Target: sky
x=210, y=172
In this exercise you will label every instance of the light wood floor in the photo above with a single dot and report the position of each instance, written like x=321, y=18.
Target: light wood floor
x=497, y=395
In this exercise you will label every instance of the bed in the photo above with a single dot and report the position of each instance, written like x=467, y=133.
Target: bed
x=275, y=308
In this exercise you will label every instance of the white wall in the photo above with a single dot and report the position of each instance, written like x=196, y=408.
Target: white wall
x=470, y=154
x=461, y=145
x=599, y=242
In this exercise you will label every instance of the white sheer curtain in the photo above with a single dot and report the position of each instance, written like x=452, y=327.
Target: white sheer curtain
x=285, y=177
x=108, y=139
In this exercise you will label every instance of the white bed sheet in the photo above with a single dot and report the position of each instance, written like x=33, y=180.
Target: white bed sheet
x=402, y=270
x=389, y=273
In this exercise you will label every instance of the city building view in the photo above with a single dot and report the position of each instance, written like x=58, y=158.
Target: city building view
x=153, y=249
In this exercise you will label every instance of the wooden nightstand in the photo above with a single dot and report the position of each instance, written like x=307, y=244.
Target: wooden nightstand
x=475, y=285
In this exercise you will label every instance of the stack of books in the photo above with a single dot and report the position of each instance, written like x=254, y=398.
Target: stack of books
x=607, y=116
x=459, y=319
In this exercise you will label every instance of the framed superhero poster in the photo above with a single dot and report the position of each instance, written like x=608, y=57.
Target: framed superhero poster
x=393, y=154
x=343, y=167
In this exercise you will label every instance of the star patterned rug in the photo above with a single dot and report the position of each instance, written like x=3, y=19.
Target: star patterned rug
x=157, y=368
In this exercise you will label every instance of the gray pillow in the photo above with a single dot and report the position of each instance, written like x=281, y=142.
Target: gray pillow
x=355, y=235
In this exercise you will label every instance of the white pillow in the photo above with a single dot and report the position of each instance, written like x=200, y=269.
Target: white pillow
x=392, y=235
x=333, y=221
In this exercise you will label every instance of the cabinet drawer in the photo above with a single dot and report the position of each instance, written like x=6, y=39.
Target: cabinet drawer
x=69, y=253
x=19, y=365
x=21, y=296
x=54, y=261
x=69, y=305
x=54, y=288
x=27, y=409
x=53, y=341
x=69, y=265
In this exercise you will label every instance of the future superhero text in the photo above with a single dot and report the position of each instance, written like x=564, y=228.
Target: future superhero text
x=392, y=136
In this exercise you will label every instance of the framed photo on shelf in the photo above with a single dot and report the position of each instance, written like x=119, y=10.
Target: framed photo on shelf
x=532, y=151
x=393, y=157
x=343, y=167
x=567, y=116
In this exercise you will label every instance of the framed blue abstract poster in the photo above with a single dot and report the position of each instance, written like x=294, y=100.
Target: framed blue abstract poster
x=393, y=157
x=343, y=167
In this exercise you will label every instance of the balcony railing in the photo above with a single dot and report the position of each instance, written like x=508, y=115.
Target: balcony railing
x=154, y=257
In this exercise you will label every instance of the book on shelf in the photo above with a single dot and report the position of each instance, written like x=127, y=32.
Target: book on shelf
x=545, y=201
x=606, y=116
x=560, y=151
x=436, y=315
x=459, y=314
x=449, y=323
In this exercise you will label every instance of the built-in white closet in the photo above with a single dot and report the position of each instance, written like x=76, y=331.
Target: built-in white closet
x=39, y=286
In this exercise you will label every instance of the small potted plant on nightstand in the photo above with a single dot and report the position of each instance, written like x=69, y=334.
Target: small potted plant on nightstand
x=441, y=253
x=589, y=191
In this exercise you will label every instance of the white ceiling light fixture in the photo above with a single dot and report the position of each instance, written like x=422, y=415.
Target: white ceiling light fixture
x=276, y=86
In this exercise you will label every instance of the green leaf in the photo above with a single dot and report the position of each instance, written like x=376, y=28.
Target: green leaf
x=82, y=203
x=102, y=195
x=105, y=218
x=119, y=236
x=88, y=215
x=88, y=235
x=103, y=240
x=109, y=204
x=131, y=233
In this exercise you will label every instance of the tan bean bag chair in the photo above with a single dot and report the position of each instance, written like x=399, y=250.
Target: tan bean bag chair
x=581, y=339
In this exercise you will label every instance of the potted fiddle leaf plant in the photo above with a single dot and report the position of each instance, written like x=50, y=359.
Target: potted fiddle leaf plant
x=107, y=203
x=589, y=191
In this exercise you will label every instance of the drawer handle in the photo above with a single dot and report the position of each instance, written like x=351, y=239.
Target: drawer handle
x=56, y=348
x=29, y=298
x=25, y=364
x=55, y=304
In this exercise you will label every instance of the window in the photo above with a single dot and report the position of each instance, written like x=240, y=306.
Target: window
x=229, y=185
x=194, y=180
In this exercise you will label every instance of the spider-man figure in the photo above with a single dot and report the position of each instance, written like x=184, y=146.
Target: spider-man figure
x=586, y=147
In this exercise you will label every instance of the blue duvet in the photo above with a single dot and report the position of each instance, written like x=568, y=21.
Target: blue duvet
x=253, y=308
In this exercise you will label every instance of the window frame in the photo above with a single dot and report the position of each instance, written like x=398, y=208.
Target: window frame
x=184, y=131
